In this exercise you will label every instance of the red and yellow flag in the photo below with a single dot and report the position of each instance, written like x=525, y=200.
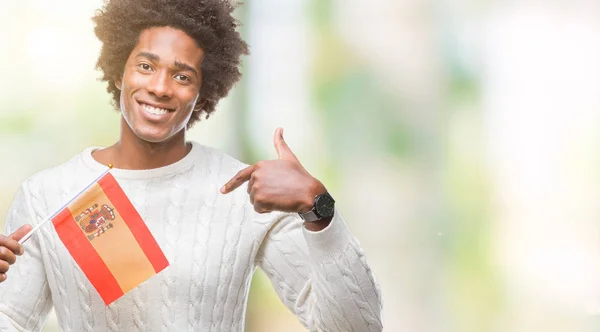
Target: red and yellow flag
x=109, y=240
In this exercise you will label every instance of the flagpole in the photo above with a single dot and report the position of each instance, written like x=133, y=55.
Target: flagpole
x=28, y=235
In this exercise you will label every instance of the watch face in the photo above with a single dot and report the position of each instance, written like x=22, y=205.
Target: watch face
x=324, y=205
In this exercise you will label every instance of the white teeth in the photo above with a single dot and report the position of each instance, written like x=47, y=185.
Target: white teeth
x=154, y=110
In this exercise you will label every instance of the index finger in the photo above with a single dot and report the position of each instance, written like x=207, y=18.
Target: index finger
x=237, y=180
x=22, y=234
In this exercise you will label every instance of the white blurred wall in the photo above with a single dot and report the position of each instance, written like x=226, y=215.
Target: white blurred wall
x=541, y=89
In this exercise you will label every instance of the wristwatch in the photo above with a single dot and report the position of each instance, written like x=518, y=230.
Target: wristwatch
x=322, y=208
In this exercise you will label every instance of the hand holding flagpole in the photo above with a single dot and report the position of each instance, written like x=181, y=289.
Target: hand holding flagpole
x=10, y=249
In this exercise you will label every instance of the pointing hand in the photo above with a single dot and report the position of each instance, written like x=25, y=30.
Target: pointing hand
x=278, y=185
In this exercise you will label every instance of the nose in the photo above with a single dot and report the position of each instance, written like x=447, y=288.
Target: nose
x=160, y=85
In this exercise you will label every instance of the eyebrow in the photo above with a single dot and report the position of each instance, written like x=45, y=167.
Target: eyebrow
x=150, y=56
x=184, y=66
x=178, y=64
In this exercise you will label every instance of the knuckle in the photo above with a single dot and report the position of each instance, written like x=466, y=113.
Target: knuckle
x=237, y=176
x=259, y=198
x=268, y=207
x=11, y=245
x=7, y=255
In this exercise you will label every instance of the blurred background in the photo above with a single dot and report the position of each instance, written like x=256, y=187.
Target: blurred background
x=461, y=140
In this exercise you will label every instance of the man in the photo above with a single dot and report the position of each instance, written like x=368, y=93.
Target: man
x=167, y=62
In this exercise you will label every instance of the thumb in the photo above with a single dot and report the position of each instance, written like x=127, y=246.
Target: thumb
x=283, y=150
x=22, y=231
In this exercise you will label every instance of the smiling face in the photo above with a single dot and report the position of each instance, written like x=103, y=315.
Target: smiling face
x=160, y=85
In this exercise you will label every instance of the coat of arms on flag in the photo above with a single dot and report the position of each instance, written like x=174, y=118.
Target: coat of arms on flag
x=94, y=221
x=108, y=239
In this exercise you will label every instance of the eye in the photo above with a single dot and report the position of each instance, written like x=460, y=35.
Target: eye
x=145, y=66
x=182, y=78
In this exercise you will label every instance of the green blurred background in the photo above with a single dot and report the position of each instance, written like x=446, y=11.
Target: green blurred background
x=459, y=138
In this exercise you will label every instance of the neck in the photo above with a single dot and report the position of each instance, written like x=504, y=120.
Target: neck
x=131, y=152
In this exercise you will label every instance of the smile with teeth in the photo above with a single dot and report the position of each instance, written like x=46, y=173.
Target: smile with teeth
x=155, y=110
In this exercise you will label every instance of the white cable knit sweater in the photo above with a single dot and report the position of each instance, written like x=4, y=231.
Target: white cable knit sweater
x=214, y=243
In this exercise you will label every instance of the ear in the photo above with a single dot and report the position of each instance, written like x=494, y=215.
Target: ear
x=200, y=105
x=118, y=82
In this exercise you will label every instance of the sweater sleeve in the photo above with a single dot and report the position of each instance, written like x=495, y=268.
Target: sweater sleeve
x=25, y=296
x=322, y=277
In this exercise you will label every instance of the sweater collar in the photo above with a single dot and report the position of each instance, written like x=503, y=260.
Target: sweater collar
x=186, y=162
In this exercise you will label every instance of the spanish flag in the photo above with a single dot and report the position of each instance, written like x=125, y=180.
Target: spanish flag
x=108, y=239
